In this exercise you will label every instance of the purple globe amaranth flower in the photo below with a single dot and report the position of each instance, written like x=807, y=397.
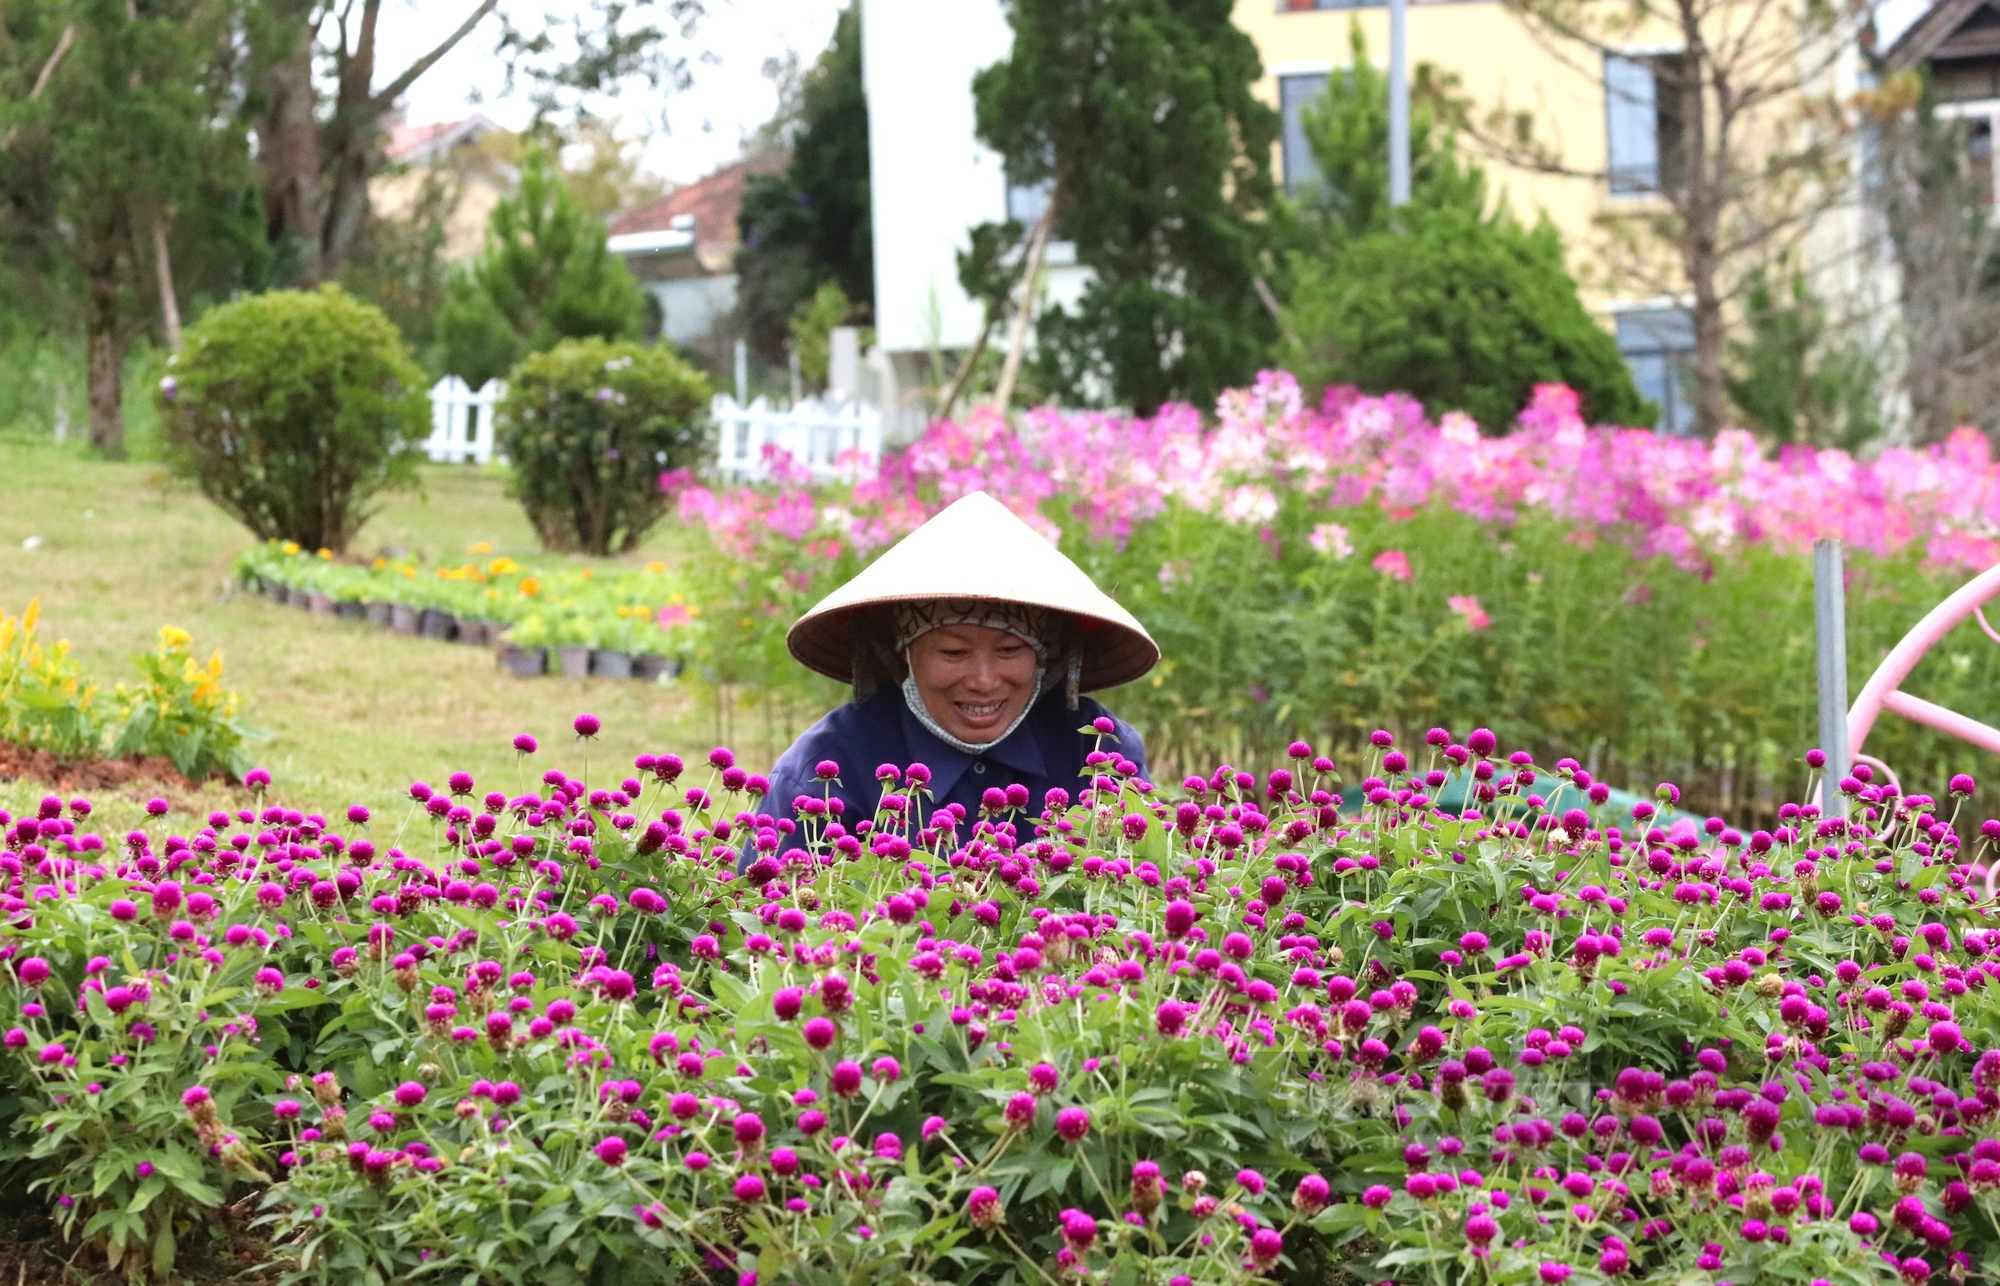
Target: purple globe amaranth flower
x=1267, y=1245
x=1020, y=1111
x=1376, y=1196
x=983, y=1207
x=34, y=971
x=410, y=1093
x=748, y=1189
x=1072, y=1123
x=587, y=725
x=845, y=1080
x=1312, y=1195
x=1079, y=1230
x=611, y=1150
x=819, y=1032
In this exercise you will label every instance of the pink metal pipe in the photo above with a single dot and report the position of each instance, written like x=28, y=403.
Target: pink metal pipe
x=1903, y=658
x=1949, y=722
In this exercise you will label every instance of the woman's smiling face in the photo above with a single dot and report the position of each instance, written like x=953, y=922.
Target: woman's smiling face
x=974, y=680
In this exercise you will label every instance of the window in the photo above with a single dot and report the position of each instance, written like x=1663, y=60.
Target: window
x=1642, y=123
x=1658, y=344
x=1295, y=94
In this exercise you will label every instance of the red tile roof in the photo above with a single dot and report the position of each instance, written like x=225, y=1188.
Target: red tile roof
x=713, y=201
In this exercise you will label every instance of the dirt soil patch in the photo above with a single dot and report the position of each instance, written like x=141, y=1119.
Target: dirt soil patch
x=20, y=763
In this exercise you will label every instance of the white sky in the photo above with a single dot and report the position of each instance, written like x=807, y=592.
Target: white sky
x=688, y=134
x=685, y=135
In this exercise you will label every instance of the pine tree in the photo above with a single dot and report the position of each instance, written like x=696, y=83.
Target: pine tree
x=544, y=275
x=811, y=224
x=1141, y=114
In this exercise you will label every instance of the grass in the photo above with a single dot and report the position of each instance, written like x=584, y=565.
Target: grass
x=348, y=714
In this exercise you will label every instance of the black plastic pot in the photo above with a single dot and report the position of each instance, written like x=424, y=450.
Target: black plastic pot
x=378, y=614
x=403, y=618
x=438, y=625
x=477, y=633
x=523, y=662
x=609, y=663
x=319, y=602
x=575, y=662
x=648, y=668
x=350, y=610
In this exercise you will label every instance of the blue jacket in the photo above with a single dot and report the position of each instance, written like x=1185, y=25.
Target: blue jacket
x=1044, y=752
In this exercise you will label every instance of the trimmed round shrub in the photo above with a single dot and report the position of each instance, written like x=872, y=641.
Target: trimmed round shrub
x=1464, y=314
x=590, y=426
x=292, y=409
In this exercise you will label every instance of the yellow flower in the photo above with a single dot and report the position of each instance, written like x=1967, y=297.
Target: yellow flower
x=588, y=573
x=326, y=553
x=479, y=547
x=656, y=566
x=502, y=567
x=409, y=573
x=675, y=598
x=290, y=546
x=173, y=638
x=531, y=586
x=380, y=563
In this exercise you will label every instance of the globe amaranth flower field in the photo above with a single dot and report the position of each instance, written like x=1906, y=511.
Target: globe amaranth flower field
x=652, y=1025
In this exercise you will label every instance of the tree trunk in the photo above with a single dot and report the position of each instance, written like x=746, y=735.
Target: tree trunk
x=163, y=269
x=106, y=377
x=288, y=148
x=349, y=143
x=1704, y=171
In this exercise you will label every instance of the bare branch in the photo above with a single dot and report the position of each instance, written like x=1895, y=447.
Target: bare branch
x=67, y=39
x=395, y=88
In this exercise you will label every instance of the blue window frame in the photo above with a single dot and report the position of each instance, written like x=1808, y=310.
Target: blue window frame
x=1295, y=94
x=1658, y=346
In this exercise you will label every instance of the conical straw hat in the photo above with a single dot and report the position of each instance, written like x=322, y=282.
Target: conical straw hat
x=976, y=548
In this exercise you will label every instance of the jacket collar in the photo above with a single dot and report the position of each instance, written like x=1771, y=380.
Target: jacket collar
x=1021, y=751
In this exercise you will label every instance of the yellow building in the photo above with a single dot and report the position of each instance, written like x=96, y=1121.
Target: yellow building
x=1603, y=120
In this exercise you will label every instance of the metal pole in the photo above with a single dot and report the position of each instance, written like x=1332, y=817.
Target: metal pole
x=1399, y=103
x=742, y=373
x=1830, y=624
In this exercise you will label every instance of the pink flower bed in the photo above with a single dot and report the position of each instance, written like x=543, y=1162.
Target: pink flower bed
x=1689, y=500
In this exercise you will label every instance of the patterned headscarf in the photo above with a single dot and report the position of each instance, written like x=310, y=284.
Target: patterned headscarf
x=1024, y=621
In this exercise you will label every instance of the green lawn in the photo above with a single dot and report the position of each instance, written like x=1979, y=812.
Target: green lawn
x=350, y=714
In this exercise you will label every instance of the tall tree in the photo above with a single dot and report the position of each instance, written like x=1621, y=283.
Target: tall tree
x=1752, y=144
x=1947, y=248
x=131, y=162
x=810, y=224
x=1458, y=305
x=318, y=156
x=1141, y=117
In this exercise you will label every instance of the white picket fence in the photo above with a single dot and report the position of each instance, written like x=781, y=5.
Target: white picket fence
x=828, y=438
x=462, y=421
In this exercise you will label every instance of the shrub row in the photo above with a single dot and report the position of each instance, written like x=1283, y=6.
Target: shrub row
x=1229, y=1032
x=178, y=708
x=292, y=410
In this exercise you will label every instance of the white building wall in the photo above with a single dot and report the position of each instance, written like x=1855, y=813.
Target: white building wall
x=930, y=178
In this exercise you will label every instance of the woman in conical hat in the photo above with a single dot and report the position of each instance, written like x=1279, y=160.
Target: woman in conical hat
x=968, y=647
